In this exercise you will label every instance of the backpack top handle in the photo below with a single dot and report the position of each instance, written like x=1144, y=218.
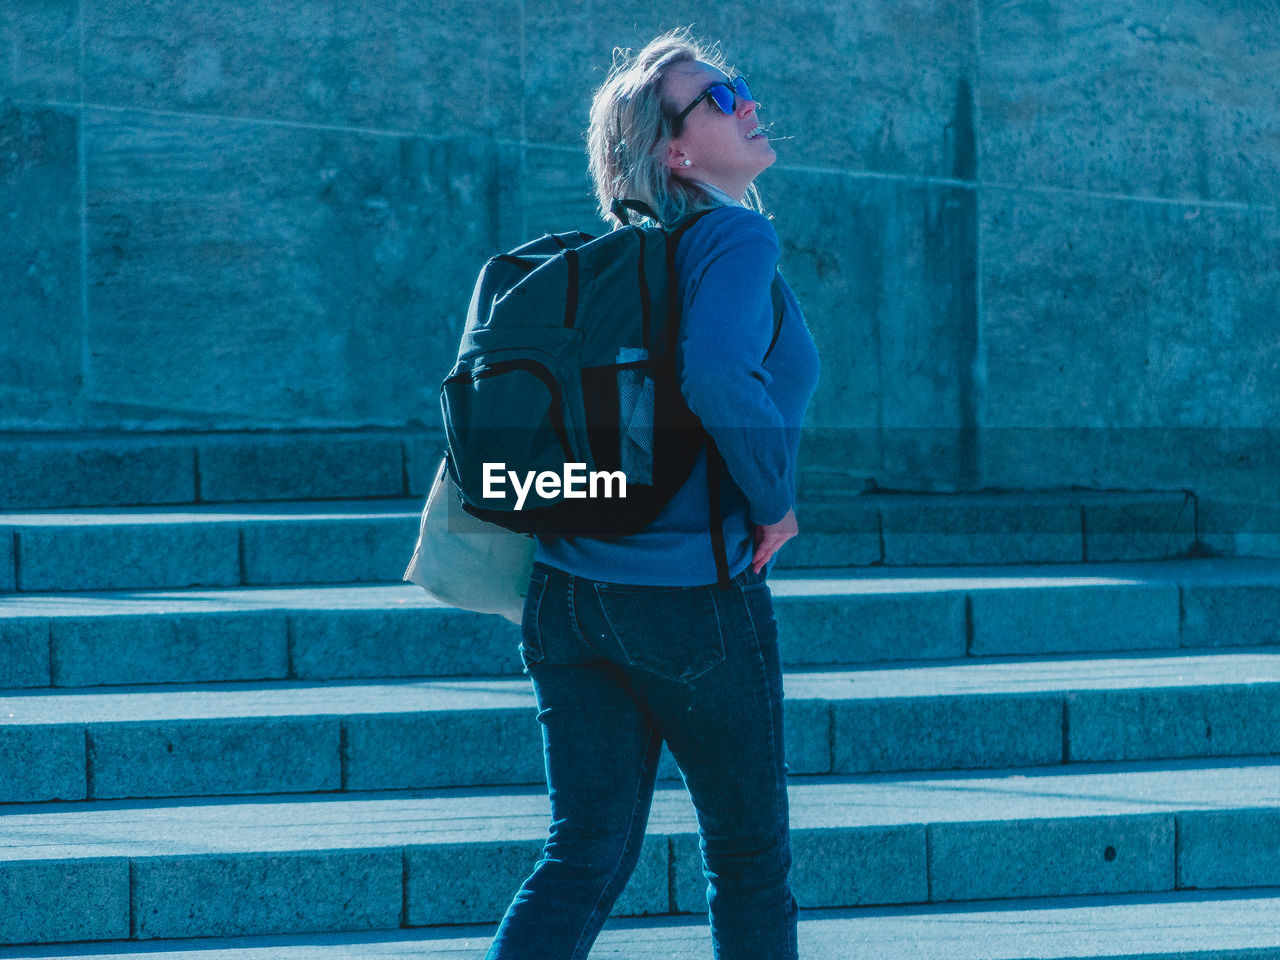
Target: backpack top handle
x=620, y=206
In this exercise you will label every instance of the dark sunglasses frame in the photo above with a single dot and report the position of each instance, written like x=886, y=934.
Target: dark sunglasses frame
x=733, y=89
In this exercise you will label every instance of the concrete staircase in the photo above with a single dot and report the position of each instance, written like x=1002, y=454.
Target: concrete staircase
x=1018, y=724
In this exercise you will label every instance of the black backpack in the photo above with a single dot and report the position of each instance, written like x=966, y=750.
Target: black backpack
x=568, y=357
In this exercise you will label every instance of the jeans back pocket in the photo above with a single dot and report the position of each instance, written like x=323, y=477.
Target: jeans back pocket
x=671, y=631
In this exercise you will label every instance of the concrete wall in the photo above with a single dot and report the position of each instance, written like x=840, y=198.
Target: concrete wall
x=1037, y=242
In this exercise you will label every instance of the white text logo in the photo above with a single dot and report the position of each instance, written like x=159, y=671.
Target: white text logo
x=574, y=484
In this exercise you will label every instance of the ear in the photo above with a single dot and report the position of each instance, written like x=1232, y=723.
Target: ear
x=674, y=157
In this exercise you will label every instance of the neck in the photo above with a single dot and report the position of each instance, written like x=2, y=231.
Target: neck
x=720, y=193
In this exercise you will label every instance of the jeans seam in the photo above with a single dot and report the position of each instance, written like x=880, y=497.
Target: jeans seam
x=573, y=613
x=764, y=672
x=777, y=810
x=626, y=845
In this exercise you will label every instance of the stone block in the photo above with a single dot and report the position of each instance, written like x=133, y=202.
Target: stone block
x=474, y=882
x=928, y=340
x=51, y=901
x=121, y=556
x=885, y=273
x=573, y=42
x=1074, y=618
x=381, y=319
x=689, y=892
x=433, y=70
x=834, y=534
x=300, y=466
x=76, y=471
x=1052, y=857
x=817, y=483
x=1173, y=128
x=1139, y=529
x=648, y=890
x=465, y=882
x=423, y=451
x=807, y=735
x=214, y=758
x=255, y=893
x=1111, y=328
x=668, y=769
x=1228, y=848
x=169, y=648
x=412, y=642
x=8, y=560
x=816, y=549
x=41, y=351
x=333, y=550
x=1230, y=615
x=898, y=132
x=831, y=867
x=1027, y=456
x=840, y=264
x=844, y=628
x=1240, y=528
x=847, y=867
x=840, y=445
x=24, y=651
x=1230, y=719
x=940, y=530
x=41, y=761
x=946, y=733
x=443, y=748
x=1178, y=926
x=559, y=195
x=39, y=51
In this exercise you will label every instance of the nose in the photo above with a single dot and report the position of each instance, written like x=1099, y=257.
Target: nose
x=747, y=107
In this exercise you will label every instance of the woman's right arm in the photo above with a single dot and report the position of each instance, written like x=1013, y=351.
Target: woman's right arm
x=728, y=261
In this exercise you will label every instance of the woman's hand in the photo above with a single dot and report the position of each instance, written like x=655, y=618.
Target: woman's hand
x=770, y=536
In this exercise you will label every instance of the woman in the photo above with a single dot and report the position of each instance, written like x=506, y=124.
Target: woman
x=628, y=641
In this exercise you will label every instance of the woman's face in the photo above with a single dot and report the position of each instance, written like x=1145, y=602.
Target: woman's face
x=718, y=146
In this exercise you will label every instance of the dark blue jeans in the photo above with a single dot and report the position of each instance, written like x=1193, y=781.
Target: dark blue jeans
x=616, y=670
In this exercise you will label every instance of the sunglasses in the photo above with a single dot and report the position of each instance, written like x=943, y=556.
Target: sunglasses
x=724, y=94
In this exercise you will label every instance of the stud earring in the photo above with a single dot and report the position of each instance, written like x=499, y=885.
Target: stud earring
x=686, y=162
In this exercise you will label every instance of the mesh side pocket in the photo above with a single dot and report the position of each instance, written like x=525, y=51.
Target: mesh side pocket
x=635, y=414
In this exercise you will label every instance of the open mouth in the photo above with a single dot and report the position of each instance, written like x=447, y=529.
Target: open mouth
x=757, y=132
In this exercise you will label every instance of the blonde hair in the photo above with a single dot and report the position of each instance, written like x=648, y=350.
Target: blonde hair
x=631, y=125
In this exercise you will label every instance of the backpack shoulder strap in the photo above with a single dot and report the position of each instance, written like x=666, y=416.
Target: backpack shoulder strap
x=674, y=234
x=677, y=230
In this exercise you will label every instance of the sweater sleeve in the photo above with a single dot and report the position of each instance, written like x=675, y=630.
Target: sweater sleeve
x=727, y=265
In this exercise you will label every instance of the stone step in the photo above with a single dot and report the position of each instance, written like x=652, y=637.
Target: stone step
x=826, y=617
x=1049, y=526
x=39, y=471
x=61, y=470
x=300, y=737
x=360, y=541
x=228, y=545
x=1240, y=925
x=279, y=865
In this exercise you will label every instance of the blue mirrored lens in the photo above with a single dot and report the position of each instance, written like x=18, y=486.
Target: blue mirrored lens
x=723, y=97
x=741, y=89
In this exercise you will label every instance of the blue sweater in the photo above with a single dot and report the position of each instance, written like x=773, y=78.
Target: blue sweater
x=726, y=263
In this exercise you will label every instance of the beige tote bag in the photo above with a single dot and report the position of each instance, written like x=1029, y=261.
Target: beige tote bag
x=466, y=562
